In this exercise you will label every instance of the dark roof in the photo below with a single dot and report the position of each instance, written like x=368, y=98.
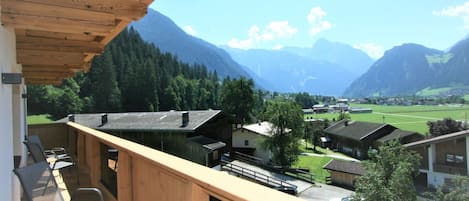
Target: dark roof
x=349, y=167
x=207, y=143
x=441, y=138
x=356, y=130
x=398, y=133
x=147, y=121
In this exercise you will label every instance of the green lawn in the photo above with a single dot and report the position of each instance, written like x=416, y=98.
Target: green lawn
x=411, y=118
x=39, y=119
x=314, y=164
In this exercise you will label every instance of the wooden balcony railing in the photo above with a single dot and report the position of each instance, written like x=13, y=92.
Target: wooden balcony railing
x=144, y=173
x=444, y=168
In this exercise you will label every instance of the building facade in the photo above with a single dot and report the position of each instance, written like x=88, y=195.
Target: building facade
x=443, y=158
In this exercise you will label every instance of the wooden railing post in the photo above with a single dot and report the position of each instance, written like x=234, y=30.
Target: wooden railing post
x=124, y=176
x=93, y=158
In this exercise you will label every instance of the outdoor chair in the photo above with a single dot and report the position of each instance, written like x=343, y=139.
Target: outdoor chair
x=56, y=152
x=35, y=182
x=37, y=154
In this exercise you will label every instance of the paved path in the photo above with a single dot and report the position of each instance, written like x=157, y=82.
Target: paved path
x=306, y=191
x=324, y=192
x=302, y=185
x=405, y=115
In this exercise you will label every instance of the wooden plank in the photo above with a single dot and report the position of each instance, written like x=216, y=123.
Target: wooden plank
x=121, y=25
x=124, y=176
x=43, y=82
x=131, y=9
x=38, y=57
x=48, y=74
x=51, y=11
x=61, y=45
x=65, y=25
x=32, y=68
x=55, y=35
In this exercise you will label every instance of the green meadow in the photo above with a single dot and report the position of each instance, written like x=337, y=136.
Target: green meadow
x=411, y=118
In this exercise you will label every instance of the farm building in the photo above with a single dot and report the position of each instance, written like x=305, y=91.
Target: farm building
x=443, y=158
x=355, y=138
x=249, y=139
x=200, y=136
x=360, y=110
x=344, y=173
x=320, y=108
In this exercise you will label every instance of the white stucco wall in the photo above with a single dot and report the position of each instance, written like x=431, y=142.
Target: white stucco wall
x=255, y=141
x=10, y=188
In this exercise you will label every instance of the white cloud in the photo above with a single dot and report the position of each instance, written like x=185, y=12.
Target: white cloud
x=277, y=47
x=373, y=50
x=456, y=11
x=316, y=21
x=190, y=30
x=274, y=30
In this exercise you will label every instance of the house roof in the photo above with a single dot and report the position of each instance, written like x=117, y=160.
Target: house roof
x=441, y=138
x=207, y=143
x=149, y=121
x=395, y=134
x=349, y=167
x=263, y=128
x=356, y=130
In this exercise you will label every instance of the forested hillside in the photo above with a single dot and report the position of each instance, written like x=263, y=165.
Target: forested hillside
x=131, y=75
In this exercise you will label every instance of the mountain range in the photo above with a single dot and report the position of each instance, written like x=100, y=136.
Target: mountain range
x=412, y=69
x=168, y=37
x=327, y=68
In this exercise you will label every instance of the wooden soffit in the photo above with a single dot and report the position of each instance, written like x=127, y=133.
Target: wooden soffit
x=57, y=38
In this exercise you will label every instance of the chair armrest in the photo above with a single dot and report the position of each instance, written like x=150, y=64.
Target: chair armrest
x=81, y=191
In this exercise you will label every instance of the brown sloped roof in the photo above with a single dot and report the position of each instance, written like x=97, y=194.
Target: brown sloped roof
x=349, y=167
x=398, y=133
x=355, y=130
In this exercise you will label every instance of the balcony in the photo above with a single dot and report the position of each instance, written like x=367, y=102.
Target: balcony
x=143, y=173
x=450, y=169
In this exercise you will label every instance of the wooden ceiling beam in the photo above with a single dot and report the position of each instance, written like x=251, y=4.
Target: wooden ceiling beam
x=44, y=75
x=44, y=58
x=130, y=9
x=121, y=25
x=36, y=68
x=55, y=35
x=36, y=16
x=59, y=45
x=35, y=81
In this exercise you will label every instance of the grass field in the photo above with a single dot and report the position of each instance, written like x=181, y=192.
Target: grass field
x=38, y=119
x=411, y=118
x=315, y=164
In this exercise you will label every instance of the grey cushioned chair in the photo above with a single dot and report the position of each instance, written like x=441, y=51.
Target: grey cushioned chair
x=35, y=178
x=38, y=156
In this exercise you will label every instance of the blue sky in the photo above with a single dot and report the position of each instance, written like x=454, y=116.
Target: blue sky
x=370, y=25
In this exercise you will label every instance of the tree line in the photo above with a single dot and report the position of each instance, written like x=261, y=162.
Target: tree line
x=130, y=76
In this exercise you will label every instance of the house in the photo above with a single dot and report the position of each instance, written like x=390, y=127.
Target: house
x=320, y=108
x=200, y=136
x=355, y=138
x=43, y=42
x=249, y=139
x=344, y=173
x=356, y=110
x=308, y=111
x=443, y=158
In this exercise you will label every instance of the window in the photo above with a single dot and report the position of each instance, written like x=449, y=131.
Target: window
x=459, y=159
x=450, y=158
x=246, y=142
x=454, y=158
